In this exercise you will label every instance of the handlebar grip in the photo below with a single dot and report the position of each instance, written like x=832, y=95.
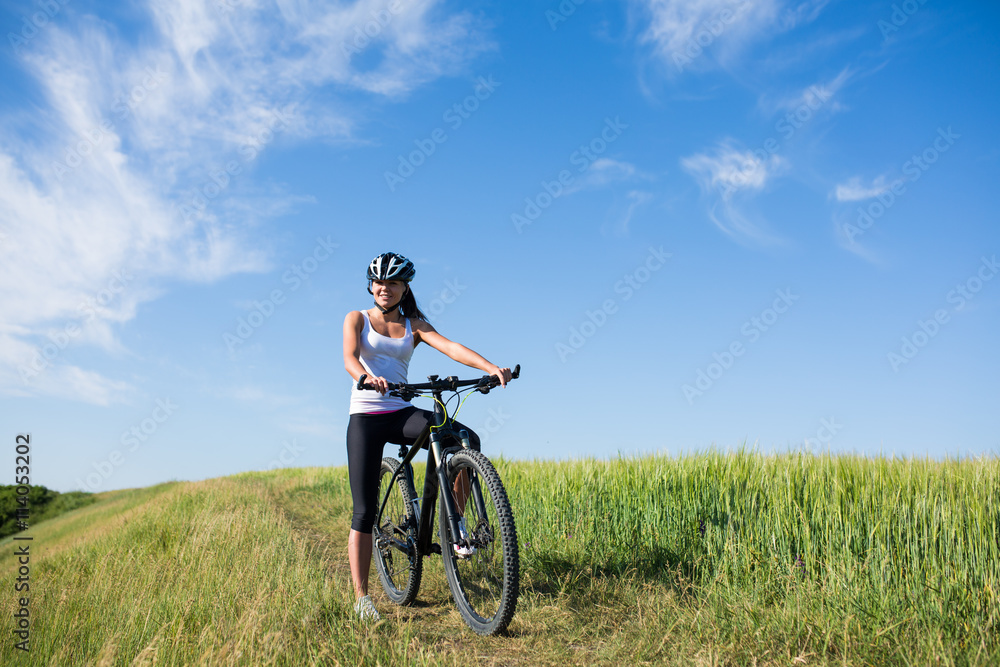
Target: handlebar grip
x=361, y=381
x=493, y=380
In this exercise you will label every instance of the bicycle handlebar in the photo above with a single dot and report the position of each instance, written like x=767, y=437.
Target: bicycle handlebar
x=450, y=383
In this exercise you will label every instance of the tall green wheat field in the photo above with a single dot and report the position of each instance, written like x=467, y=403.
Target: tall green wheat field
x=712, y=559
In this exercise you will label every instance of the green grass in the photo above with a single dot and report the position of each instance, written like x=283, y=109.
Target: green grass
x=831, y=559
x=707, y=559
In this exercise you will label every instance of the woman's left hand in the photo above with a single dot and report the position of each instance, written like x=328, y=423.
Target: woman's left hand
x=503, y=374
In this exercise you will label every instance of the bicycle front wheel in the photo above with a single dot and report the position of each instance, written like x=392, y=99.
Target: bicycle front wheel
x=486, y=582
x=394, y=538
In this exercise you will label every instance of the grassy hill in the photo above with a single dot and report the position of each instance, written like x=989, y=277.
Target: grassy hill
x=712, y=559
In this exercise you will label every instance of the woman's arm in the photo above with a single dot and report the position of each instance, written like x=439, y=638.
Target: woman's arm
x=353, y=324
x=424, y=332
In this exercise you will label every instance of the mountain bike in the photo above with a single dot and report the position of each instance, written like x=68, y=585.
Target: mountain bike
x=478, y=540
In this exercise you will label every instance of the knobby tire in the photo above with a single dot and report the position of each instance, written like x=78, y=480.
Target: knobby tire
x=485, y=585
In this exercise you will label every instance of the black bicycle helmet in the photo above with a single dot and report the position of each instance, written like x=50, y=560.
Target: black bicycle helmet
x=391, y=266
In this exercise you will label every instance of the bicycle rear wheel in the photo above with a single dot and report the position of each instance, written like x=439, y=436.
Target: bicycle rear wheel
x=486, y=584
x=394, y=538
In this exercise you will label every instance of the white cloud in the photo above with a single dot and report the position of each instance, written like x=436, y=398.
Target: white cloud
x=855, y=190
x=634, y=200
x=851, y=225
x=602, y=172
x=118, y=163
x=847, y=239
x=680, y=30
x=18, y=378
x=693, y=34
x=812, y=97
x=731, y=219
x=728, y=176
x=728, y=170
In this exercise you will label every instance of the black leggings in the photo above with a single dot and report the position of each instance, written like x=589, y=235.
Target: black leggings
x=366, y=436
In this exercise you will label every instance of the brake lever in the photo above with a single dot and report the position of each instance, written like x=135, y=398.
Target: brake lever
x=403, y=394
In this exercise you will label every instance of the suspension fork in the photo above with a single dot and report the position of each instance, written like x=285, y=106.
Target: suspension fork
x=477, y=491
x=448, y=498
x=436, y=481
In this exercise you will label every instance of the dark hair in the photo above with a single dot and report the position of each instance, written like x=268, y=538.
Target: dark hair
x=409, y=305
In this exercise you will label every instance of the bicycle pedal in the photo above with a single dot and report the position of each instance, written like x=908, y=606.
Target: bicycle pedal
x=464, y=552
x=436, y=548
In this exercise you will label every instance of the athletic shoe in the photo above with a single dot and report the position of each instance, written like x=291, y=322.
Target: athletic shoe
x=366, y=609
x=463, y=551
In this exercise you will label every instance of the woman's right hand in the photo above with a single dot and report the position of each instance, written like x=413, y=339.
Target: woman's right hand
x=380, y=384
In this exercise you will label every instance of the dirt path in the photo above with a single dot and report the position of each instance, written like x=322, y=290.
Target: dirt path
x=432, y=624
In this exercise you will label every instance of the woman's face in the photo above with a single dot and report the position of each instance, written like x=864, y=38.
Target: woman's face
x=388, y=292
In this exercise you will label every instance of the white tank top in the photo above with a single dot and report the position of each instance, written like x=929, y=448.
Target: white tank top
x=386, y=357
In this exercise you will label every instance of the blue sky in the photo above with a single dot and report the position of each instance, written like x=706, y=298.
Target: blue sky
x=695, y=224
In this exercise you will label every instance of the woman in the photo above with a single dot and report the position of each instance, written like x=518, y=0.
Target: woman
x=378, y=343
